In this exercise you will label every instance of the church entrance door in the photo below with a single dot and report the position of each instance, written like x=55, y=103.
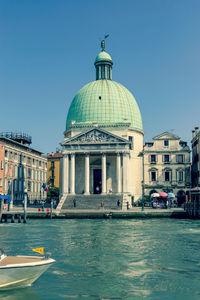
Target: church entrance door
x=97, y=183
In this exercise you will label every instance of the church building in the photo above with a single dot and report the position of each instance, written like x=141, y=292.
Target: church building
x=103, y=143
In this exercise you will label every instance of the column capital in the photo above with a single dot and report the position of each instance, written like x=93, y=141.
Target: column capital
x=125, y=153
x=87, y=153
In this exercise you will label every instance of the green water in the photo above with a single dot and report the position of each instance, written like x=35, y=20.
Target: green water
x=110, y=259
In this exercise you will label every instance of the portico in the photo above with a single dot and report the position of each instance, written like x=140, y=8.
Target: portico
x=88, y=170
x=113, y=179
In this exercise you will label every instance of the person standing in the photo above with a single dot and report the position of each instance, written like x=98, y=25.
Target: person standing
x=74, y=202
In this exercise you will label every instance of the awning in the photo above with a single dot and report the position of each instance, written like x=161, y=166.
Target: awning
x=163, y=194
x=171, y=195
x=155, y=195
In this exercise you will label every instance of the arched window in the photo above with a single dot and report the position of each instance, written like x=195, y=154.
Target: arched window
x=103, y=72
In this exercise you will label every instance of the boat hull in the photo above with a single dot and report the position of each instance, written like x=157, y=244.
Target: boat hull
x=21, y=276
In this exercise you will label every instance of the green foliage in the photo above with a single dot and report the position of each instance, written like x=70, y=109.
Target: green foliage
x=147, y=201
x=53, y=192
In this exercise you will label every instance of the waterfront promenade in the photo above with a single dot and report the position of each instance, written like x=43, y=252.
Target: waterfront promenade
x=136, y=212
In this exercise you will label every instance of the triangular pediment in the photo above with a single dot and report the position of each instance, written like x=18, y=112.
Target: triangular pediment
x=95, y=136
x=166, y=136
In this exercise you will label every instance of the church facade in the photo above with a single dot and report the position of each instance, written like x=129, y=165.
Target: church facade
x=102, y=161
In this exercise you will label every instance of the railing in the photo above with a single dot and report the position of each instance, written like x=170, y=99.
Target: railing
x=17, y=135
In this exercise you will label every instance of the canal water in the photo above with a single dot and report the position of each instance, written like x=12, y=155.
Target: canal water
x=110, y=259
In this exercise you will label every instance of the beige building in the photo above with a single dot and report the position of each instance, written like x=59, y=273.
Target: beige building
x=195, y=157
x=103, y=140
x=22, y=168
x=167, y=166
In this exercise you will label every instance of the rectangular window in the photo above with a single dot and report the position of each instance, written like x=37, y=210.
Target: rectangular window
x=180, y=176
x=29, y=173
x=153, y=176
x=167, y=175
x=1, y=164
x=130, y=138
x=52, y=164
x=180, y=158
x=166, y=143
x=166, y=158
x=6, y=153
x=29, y=186
x=153, y=158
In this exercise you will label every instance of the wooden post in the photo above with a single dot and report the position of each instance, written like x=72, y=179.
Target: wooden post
x=1, y=207
x=12, y=219
x=51, y=211
x=19, y=219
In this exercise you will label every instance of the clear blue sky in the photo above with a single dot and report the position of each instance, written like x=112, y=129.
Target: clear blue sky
x=47, y=53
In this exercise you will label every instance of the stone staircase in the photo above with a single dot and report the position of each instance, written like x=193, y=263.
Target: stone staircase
x=90, y=201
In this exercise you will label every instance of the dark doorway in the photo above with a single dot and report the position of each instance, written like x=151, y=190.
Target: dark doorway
x=181, y=198
x=97, y=181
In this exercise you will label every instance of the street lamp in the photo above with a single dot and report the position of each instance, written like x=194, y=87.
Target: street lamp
x=141, y=154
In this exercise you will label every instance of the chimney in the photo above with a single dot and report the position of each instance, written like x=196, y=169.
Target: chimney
x=196, y=130
x=193, y=133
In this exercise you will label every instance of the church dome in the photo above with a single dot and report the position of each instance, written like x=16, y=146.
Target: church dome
x=103, y=56
x=104, y=101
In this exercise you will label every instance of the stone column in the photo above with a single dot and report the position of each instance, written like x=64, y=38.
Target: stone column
x=65, y=174
x=87, y=174
x=72, y=177
x=103, y=162
x=125, y=172
x=118, y=173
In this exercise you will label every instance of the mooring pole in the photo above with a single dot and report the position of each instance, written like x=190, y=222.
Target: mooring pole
x=25, y=206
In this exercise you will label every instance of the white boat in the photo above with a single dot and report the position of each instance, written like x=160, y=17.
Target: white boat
x=19, y=271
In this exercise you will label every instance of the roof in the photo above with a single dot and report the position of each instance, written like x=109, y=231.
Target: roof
x=103, y=56
x=7, y=140
x=166, y=136
x=54, y=155
x=104, y=102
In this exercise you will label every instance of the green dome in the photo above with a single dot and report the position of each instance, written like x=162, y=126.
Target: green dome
x=104, y=102
x=103, y=56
